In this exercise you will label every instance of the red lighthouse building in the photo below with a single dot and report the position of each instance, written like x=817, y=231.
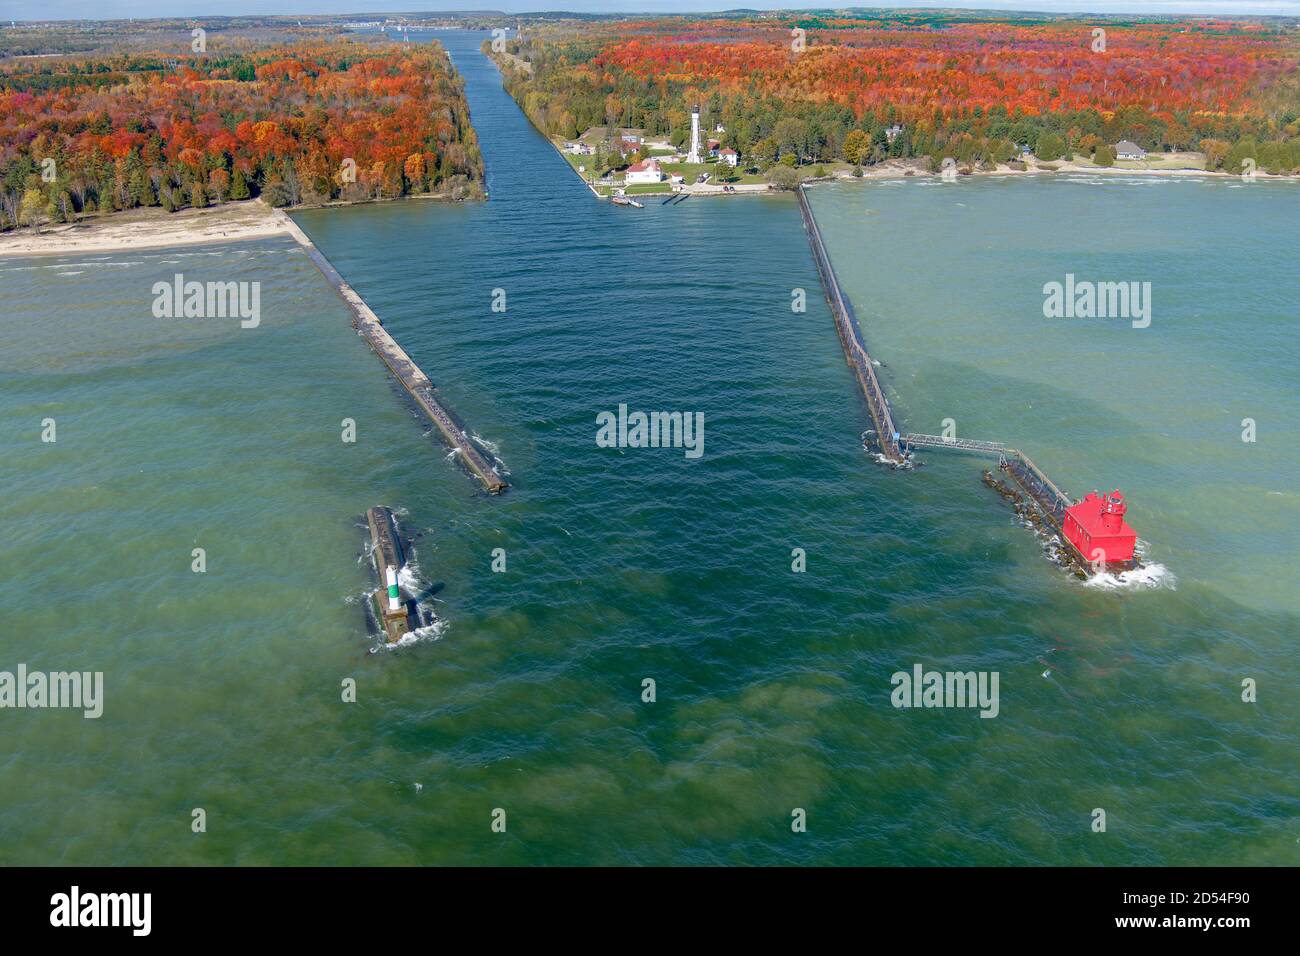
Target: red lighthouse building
x=1096, y=524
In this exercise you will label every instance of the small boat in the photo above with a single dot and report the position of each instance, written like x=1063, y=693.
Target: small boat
x=618, y=199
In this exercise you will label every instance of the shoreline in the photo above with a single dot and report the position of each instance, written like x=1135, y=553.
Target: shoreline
x=152, y=228
x=918, y=169
x=252, y=219
x=149, y=229
x=913, y=169
x=553, y=141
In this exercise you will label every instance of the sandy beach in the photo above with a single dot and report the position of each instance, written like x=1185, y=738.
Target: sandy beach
x=1176, y=164
x=148, y=229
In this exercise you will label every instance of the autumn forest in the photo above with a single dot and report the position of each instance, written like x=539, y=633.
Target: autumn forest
x=976, y=87
x=104, y=122
x=309, y=122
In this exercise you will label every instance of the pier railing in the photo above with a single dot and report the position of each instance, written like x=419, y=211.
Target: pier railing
x=855, y=350
x=912, y=440
x=1032, y=478
x=1050, y=499
x=1036, y=482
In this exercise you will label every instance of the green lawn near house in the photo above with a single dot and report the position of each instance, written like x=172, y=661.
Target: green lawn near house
x=689, y=170
x=640, y=189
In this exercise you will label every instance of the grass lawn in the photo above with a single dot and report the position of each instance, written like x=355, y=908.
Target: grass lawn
x=745, y=179
x=688, y=170
x=640, y=189
x=717, y=172
x=1164, y=161
x=576, y=161
x=832, y=169
x=1184, y=160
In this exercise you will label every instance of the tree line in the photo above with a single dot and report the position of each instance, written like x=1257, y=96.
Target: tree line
x=300, y=124
x=980, y=91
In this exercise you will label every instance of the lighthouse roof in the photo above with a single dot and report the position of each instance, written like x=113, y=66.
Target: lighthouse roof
x=1090, y=510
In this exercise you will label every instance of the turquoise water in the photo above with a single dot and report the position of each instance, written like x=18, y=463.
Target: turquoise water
x=948, y=283
x=223, y=688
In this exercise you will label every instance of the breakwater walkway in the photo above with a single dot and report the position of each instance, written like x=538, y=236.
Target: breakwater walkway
x=403, y=367
x=1021, y=467
x=855, y=351
x=897, y=447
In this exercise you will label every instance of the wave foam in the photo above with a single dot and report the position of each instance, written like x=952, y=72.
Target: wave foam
x=1147, y=576
x=408, y=578
x=428, y=633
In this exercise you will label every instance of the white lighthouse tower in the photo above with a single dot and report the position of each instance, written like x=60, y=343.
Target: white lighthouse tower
x=694, y=155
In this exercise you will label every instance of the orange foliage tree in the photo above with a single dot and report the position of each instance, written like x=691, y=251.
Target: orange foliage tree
x=299, y=124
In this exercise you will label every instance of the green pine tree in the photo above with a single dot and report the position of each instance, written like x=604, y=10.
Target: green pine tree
x=238, y=186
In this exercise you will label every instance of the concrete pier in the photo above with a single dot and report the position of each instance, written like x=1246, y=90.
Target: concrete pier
x=855, y=351
x=404, y=369
x=394, y=616
x=1049, y=500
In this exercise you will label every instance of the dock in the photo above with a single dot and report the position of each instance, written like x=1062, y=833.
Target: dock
x=855, y=351
x=402, y=366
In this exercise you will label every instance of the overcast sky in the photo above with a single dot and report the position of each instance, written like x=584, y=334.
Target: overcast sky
x=103, y=9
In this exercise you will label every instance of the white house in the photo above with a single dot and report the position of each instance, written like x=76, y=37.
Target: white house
x=719, y=128
x=646, y=171
x=728, y=156
x=1126, y=150
x=891, y=134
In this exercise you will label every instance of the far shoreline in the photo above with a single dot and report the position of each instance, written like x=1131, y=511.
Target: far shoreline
x=152, y=228
x=918, y=168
